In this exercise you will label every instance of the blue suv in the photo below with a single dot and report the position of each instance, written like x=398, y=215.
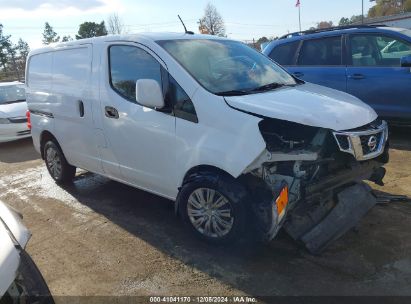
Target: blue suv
x=372, y=63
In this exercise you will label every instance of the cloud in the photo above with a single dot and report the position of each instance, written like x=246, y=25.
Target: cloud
x=47, y=4
x=12, y=10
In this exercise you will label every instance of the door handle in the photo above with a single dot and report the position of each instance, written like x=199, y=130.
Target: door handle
x=111, y=112
x=356, y=76
x=81, y=108
x=298, y=74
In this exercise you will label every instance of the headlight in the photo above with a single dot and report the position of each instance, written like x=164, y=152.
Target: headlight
x=4, y=121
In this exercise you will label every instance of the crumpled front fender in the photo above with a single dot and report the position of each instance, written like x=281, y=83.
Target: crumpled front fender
x=13, y=237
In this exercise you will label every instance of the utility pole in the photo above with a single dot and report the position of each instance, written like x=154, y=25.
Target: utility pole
x=362, y=14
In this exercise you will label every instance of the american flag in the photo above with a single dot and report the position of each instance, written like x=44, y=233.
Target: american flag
x=297, y=4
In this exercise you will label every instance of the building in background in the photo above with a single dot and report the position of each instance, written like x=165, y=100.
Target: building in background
x=400, y=20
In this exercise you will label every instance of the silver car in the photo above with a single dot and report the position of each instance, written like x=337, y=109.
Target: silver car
x=13, y=108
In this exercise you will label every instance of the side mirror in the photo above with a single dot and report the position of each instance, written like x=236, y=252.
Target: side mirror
x=406, y=61
x=149, y=93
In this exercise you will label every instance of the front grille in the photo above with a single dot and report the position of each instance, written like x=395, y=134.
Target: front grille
x=363, y=143
x=369, y=143
x=18, y=120
x=343, y=141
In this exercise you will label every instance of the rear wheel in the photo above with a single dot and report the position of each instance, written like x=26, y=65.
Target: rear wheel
x=60, y=170
x=213, y=207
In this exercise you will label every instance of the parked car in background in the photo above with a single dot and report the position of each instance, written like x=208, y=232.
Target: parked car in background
x=370, y=62
x=20, y=279
x=211, y=124
x=13, y=108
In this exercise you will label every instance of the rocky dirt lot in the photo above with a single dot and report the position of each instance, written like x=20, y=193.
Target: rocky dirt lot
x=99, y=237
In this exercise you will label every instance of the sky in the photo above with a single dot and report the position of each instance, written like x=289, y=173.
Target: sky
x=244, y=19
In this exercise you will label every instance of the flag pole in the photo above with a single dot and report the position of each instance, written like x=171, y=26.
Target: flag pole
x=299, y=16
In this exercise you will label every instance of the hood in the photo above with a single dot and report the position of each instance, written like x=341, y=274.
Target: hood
x=308, y=104
x=13, y=110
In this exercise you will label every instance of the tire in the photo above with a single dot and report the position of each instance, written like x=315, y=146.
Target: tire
x=59, y=169
x=203, y=202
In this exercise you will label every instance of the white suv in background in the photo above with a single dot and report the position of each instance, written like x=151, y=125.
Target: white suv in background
x=212, y=124
x=13, y=108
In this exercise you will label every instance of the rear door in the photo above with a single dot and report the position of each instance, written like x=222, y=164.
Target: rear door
x=320, y=61
x=73, y=120
x=375, y=76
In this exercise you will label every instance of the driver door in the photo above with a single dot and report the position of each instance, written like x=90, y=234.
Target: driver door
x=141, y=139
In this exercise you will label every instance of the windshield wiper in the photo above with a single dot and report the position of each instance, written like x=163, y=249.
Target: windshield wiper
x=268, y=87
x=233, y=93
x=264, y=88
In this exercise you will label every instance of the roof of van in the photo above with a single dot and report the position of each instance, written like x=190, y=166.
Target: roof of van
x=129, y=37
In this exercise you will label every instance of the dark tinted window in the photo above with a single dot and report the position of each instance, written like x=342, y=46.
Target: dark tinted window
x=284, y=54
x=377, y=50
x=324, y=51
x=181, y=103
x=127, y=65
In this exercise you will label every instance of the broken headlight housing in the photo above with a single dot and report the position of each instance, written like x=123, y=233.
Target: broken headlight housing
x=281, y=135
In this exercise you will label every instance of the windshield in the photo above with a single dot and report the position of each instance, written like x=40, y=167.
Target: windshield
x=226, y=67
x=12, y=93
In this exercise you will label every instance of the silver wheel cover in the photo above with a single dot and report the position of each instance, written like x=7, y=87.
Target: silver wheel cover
x=53, y=162
x=210, y=212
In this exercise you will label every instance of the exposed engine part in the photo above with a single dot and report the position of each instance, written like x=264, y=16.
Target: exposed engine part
x=269, y=157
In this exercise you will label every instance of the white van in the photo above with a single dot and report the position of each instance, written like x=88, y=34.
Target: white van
x=212, y=124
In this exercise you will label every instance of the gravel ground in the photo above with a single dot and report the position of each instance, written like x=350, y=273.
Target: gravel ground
x=99, y=237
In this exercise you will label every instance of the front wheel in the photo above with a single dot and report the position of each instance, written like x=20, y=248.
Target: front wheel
x=213, y=207
x=60, y=170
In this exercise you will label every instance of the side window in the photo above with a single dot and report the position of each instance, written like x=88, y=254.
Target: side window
x=182, y=105
x=322, y=52
x=284, y=54
x=71, y=68
x=377, y=50
x=39, y=71
x=127, y=65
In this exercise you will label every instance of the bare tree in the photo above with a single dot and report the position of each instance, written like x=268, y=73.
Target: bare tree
x=324, y=24
x=211, y=23
x=115, y=25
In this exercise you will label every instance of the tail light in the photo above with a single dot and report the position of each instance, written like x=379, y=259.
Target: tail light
x=28, y=120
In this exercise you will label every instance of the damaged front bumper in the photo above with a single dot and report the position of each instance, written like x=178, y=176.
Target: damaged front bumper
x=324, y=179
x=333, y=205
